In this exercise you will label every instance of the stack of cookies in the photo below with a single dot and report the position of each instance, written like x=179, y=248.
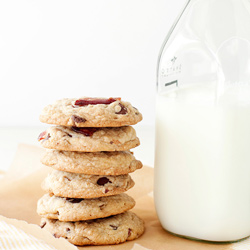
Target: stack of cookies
x=88, y=150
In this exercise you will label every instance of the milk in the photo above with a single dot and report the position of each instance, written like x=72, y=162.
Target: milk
x=202, y=162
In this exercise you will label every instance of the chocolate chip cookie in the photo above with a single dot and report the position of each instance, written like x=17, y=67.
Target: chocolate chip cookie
x=91, y=112
x=75, y=209
x=89, y=139
x=97, y=163
x=112, y=230
x=72, y=185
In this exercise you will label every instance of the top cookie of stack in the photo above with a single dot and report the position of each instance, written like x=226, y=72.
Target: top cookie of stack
x=91, y=112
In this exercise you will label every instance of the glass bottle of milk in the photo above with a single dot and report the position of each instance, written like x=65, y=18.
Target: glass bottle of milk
x=202, y=156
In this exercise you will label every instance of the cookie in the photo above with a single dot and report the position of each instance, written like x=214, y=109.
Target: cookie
x=65, y=184
x=112, y=230
x=89, y=139
x=73, y=209
x=91, y=112
x=98, y=163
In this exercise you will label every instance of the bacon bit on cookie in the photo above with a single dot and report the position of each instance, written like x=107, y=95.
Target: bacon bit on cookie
x=43, y=136
x=95, y=101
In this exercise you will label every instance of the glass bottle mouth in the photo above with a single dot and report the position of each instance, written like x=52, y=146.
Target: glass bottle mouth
x=168, y=36
x=205, y=47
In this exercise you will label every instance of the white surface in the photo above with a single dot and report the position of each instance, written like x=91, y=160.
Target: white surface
x=11, y=137
x=53, y=49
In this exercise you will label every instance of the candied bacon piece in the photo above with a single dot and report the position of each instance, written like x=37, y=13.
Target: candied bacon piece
x=95, y=101
x=84, y=131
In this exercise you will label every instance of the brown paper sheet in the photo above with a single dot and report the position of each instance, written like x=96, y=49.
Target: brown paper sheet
x=20, y=189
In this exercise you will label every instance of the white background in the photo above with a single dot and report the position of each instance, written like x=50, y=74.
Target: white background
x=53, y=49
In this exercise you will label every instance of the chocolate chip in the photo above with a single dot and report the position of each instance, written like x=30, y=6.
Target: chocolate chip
x=106, y=190
x=114, y=227
x=102, y=181
x=123, y=110
x=67, y=229
x=78, y=119
x=56, y=235
x=102, y=206
x=84, y=131
x=74, y=200
x=129, y=231
x=137, y=113
x=67, y=134
x=67, y=178
x=43, y=225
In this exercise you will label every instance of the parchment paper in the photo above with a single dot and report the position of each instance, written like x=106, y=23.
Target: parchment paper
x=34, y=230
x=20, y=189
